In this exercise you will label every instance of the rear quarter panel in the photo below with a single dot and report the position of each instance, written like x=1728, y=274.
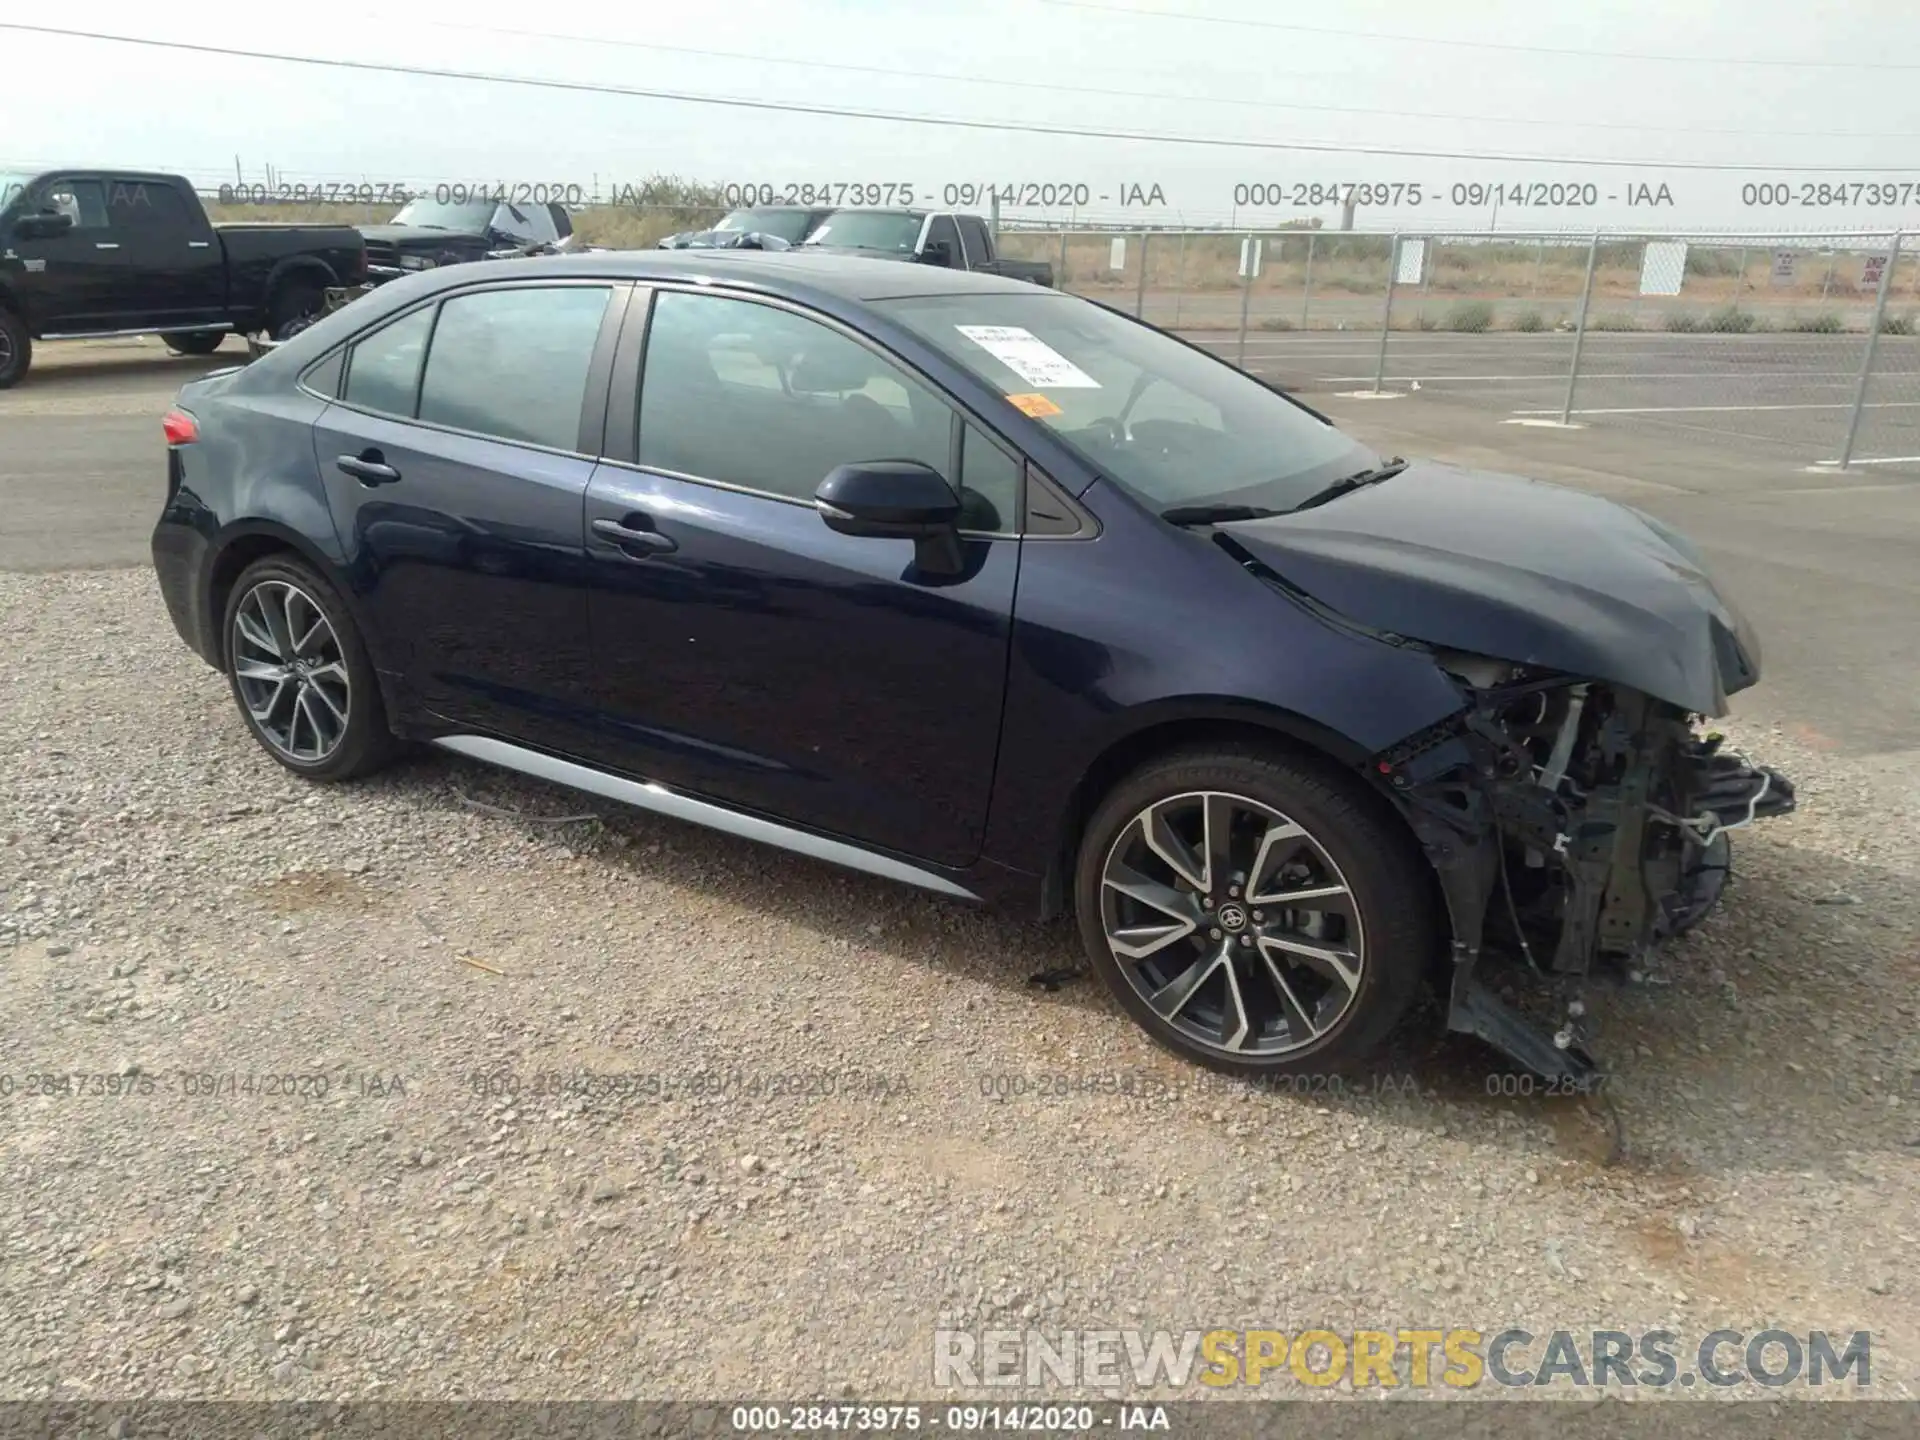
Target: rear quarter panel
x=252, y=474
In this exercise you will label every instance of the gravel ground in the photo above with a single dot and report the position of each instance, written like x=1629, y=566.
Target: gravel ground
x=173, y=904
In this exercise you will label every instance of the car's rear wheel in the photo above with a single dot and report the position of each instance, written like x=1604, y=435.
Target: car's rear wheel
x=195, y=342
x=16, y=348
x=1253, y=911
x=301, y=675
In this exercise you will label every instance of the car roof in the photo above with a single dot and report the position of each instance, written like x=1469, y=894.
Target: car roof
x=799, y=274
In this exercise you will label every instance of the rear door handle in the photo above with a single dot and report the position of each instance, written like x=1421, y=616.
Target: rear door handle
x=105, y=245
x=637, y=543
x=369, y=468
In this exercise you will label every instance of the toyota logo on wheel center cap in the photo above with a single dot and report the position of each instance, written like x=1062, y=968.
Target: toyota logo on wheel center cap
x=1232, y=917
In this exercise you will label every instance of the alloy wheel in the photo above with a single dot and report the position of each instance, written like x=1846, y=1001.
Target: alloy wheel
x=1233, y=923
x=290, y=672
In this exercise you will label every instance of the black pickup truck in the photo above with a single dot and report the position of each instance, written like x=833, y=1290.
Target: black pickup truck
x=430, y=232
x=119, y=252
x=928, y=237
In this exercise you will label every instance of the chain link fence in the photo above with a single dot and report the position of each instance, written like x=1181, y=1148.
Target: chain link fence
x=1797, y=343
x=1802, y=344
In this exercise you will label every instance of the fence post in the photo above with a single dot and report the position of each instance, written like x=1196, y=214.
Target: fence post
x=1246, y=298
x=1539, y=254
x=1873, y=344
x=1580, y=328
x=1306, y=295
x=1061, y=279
x=1179, y=278
x=1140, y=295
x=1386, y=315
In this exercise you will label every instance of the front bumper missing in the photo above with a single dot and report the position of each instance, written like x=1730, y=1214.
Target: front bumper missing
x=1559, y=872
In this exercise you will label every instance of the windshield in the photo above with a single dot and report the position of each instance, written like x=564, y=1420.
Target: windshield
x=788, y=225
x=471, y=218
x=1168, y=422
x=869, y=230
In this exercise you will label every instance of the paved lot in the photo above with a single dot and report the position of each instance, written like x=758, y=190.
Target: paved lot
x=172, y=905
x=1764, y=396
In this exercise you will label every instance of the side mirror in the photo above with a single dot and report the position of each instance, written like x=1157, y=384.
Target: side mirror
x=938, y=252
x=900, y=499
x=44, y=226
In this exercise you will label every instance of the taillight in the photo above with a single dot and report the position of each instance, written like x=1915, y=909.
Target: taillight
x=180, y=427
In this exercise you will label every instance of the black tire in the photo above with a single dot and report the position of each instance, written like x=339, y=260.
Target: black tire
x=16, y=349
x=1381, y=875
x=295, y=304
x=195, y=342
x=366, y=741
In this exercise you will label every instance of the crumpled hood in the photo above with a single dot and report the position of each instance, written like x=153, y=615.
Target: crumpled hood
x=1523, y=571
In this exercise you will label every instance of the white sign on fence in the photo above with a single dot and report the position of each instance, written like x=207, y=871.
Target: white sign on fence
x=1250, y=257
x=1413, y=262
x=1871, y=269
x=1783, y=267
x=1117, y=255
x=1663, y=267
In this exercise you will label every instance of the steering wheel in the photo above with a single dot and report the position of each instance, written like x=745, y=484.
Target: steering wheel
x=1109, y=432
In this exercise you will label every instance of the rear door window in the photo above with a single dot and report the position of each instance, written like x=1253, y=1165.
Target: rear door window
x=513, y=363
x=143, y=208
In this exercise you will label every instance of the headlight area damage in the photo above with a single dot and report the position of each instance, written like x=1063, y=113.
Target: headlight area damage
x=1570, y=821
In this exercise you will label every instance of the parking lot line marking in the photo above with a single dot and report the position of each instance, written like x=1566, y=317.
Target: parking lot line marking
x=1693, y=409
x=1876, y=460
x=1798, y=377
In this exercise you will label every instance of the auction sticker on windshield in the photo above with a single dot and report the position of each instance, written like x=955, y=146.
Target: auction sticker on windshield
x=1029, y=357
x=1036, y=405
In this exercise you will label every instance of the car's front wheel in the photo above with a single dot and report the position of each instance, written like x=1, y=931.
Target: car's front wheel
x=1253, y=911
x=16, y=348
x=301, y=675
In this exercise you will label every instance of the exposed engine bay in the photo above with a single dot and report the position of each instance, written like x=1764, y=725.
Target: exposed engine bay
x=1572, y=823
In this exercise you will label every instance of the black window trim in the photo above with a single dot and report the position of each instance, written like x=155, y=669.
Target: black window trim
x=622, y=446
x=594, y=406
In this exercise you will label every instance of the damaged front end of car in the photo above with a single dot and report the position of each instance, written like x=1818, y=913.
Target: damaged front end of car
x=1572, y=823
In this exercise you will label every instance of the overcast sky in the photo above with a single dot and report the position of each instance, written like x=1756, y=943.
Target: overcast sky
x=1832, y=90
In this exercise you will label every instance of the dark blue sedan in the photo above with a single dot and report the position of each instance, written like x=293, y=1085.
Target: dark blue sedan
x=987, y=589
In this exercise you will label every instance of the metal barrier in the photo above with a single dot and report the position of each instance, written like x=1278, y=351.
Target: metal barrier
x=1805, y=344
